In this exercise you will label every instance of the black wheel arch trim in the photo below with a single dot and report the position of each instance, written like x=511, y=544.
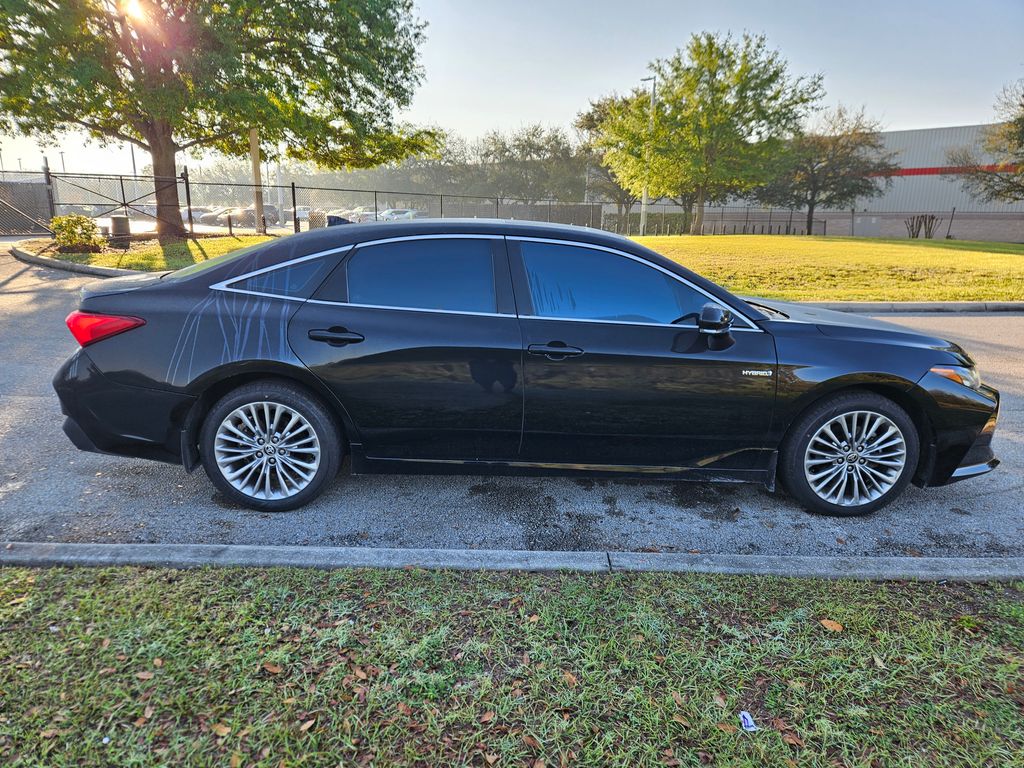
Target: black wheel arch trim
x=217, y=382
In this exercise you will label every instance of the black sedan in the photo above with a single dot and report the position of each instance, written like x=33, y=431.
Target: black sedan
x=508, y=347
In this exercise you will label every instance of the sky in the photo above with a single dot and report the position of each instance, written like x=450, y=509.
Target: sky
x=506, y=63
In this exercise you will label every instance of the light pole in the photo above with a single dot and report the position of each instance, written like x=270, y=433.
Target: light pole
x=63, y=167
x=647, y=154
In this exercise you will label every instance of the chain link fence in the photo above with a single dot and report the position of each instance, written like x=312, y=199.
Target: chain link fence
x=28, y=200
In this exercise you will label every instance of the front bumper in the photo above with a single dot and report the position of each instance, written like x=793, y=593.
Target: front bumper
x=104, y=416
x=980, y=459
x=964, y=423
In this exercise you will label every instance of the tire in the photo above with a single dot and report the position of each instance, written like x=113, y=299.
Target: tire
x=828, y=479
x=257, y=475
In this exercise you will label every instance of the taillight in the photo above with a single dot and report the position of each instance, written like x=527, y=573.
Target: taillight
x=90, y=327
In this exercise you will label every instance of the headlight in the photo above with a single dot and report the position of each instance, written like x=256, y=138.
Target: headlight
x=960, y=374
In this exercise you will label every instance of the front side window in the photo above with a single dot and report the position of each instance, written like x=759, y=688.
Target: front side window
x=454, y=275
x=578, y=283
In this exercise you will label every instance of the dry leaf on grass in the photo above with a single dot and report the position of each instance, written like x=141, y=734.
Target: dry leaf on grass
x=570, y=678
x=486, y=717
x=272, y=668
x=306, y=725
x=144, y=675
x=831, y=626
x=726, y=727
x=220, y=729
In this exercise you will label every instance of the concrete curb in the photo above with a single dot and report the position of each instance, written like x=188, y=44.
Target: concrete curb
x=32, y=554
x=198, y=555
x=67, y=266
x=909, y=307
x=870, y=568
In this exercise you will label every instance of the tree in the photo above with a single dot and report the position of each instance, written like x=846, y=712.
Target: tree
x=323, y=78
x=601, y=181
x=531, y=163
x=724, y=110
x=1000, y=177
x=841, y=160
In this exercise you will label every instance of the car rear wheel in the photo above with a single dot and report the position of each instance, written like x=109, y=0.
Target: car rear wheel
x=270, y=446
x=850, y=454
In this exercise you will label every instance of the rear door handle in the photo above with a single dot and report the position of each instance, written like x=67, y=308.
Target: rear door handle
x=555, y=350
x=336, y=337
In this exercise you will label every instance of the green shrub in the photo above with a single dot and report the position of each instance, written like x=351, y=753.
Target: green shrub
x=75, y=233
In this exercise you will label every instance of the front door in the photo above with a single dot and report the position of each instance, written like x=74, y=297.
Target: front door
x=612, y=380
x=419, y=340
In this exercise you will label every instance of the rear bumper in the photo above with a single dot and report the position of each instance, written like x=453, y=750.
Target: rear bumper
x=104, y=416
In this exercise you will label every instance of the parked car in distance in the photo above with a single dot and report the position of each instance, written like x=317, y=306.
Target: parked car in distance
x=355, y=215
x=476, y=346
x=246, y=217
x=399, y=214
x=212, y=216
x=301, y=212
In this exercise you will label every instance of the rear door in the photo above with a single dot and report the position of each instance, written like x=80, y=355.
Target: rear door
x=419, y=340
x=612, y=380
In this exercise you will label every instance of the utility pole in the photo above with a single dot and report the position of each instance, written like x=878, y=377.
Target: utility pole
x=132, y=148
x=254, y=151
x=647, y=154
x=63, y=168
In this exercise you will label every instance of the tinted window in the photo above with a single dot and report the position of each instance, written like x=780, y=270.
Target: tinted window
x=454, y=275
x=297, y=280
x=587, y=284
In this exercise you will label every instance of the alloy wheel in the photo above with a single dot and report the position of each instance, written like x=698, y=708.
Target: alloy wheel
x=267, y=450
x=855, y=458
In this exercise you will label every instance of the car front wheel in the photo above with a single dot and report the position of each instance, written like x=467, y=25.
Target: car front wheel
x=270, y=446
x=850, y=454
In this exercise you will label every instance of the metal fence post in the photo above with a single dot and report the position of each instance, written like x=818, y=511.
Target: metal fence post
x=124, y=197
x=497, y=202
x=591, y=215
x=230, y=230
x=441, y=199
x=789, y=225
x=375, y=205
x=295, y=211
x=746, y=221
x=824, y=227
x=188, y=199
x=51, y=205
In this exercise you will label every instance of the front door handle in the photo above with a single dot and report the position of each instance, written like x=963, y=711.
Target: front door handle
x=336, y=336
x=554, y=350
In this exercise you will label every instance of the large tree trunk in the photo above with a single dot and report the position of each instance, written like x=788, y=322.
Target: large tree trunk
x=810, y=219
x=168, y=209
x=697, y=225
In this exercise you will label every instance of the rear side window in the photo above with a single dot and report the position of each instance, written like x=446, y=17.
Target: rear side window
x=578, y=283
x=297, y=280
x=455, y=275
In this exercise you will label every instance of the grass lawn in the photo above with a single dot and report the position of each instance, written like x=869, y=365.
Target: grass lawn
x=149, y=255
x=852, y=269
x=296, y=667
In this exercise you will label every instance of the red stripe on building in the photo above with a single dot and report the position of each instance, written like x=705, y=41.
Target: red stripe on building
x=952, y=170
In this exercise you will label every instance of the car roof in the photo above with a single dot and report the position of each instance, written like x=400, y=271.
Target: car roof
x=335, y=237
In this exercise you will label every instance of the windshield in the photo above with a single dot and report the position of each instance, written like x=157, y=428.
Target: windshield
x=216, y=261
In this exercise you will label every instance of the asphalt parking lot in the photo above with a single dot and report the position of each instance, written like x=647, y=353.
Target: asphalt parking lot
x=51, y=492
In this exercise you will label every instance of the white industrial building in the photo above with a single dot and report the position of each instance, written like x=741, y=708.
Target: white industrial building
x=925, y=184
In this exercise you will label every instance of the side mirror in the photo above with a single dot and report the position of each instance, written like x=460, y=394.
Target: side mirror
x=715, y=320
